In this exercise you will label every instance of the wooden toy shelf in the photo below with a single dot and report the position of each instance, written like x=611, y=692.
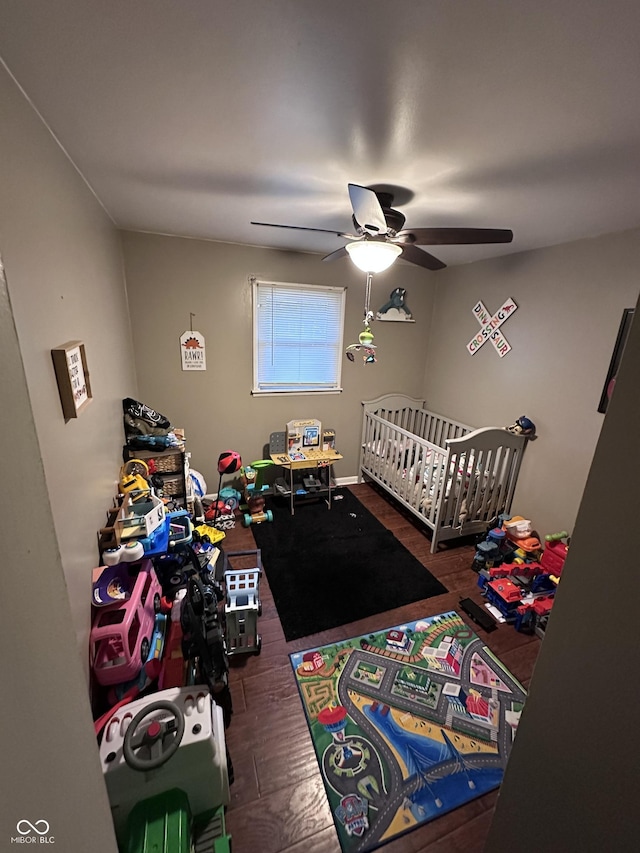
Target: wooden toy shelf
x=172, y=466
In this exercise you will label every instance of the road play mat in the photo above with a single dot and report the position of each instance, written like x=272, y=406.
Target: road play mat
x=407, y=724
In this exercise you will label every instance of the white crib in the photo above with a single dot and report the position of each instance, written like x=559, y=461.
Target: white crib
x=454, y=478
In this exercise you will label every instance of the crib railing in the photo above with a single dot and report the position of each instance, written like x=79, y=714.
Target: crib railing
x=437, y=428
x=487, y=462
x=408, y=466
x=409, y=413
x=456, y=488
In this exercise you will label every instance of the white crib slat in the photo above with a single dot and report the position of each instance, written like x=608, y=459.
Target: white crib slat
x=419, y=486
x=366, y=452
x=501, y=498
x=455, y=489
x=430, y=488
x=512, y=477
x=372, y=439
x=495, y=486
x=484, y=475
x=413, y=484
x=403, y=470
x=385, y=450
x=393, y=466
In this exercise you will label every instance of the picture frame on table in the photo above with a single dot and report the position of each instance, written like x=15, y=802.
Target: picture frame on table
x=616, y=358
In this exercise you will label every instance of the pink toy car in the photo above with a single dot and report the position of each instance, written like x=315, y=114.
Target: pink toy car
x=121, y=633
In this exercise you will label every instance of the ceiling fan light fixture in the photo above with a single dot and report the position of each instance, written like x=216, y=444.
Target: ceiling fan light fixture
x=370, y=256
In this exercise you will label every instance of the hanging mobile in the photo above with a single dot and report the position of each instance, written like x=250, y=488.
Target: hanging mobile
x=366, y=345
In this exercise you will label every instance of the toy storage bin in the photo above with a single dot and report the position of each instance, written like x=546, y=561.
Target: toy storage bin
x=138, y=519
x=518, y=528
x=173, y=486
x=170, y=463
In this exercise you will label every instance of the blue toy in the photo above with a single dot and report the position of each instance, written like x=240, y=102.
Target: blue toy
x=523, y=426
x=230, y=497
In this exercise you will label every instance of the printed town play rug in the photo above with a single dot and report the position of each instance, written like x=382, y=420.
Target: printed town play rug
x=407, y=724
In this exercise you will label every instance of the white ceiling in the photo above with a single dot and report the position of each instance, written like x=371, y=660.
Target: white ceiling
x=194, y=117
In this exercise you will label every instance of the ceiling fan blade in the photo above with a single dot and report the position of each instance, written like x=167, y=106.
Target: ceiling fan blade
x=302, y=228
x=367, y=210
x=418, y=256
x=334, y=256
x=456, y=236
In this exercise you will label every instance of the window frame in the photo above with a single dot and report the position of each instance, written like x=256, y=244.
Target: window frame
x=256, y=284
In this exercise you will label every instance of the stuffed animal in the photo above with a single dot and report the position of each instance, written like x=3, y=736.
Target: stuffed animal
x=397, y=302
x=523, y=426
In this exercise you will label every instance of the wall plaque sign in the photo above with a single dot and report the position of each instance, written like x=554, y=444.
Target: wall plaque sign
x=192, y=351
x=72, y=376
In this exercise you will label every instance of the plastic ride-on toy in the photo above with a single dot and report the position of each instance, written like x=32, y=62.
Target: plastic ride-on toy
x=122, y=633
x=165, y=824
x=171, y=739
x=254, y=493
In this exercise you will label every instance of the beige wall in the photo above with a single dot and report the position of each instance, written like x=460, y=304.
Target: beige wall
x=50, y=766
x=169, y=277
x=64, y=273
x=570, y=301
x=63, y=262
x=572, y=779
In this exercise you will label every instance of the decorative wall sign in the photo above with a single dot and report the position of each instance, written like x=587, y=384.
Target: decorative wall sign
x=192, y=351
x=396, y=307
x=72, y=376
x=489, y=328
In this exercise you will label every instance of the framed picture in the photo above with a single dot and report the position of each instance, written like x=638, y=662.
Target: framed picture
x=72, y=376
x=610, y=382
x=311, y=436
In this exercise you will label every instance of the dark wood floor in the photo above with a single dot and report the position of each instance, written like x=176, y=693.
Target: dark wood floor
x=277, y=800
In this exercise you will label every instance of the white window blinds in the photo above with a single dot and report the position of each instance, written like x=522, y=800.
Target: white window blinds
x=297, y=337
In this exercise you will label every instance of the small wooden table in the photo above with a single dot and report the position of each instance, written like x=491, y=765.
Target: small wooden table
x=313, y=459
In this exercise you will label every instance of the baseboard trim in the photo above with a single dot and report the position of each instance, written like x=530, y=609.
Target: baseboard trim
x=346, y=481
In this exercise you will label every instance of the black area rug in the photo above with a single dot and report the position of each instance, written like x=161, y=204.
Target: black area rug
x=330, y=567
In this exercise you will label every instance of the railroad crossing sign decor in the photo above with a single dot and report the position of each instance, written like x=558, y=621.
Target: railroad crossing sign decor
x=489, y=328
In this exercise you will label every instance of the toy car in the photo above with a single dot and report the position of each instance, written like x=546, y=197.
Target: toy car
x=121, y=633
x=173, y=739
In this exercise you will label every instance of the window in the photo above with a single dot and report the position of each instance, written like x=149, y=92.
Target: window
x=297, y=337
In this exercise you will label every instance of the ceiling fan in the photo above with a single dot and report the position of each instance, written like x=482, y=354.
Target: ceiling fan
x=381, y=237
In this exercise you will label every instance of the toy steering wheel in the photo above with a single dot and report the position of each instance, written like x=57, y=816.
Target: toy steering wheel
x=148, y=749
x=136, y=466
